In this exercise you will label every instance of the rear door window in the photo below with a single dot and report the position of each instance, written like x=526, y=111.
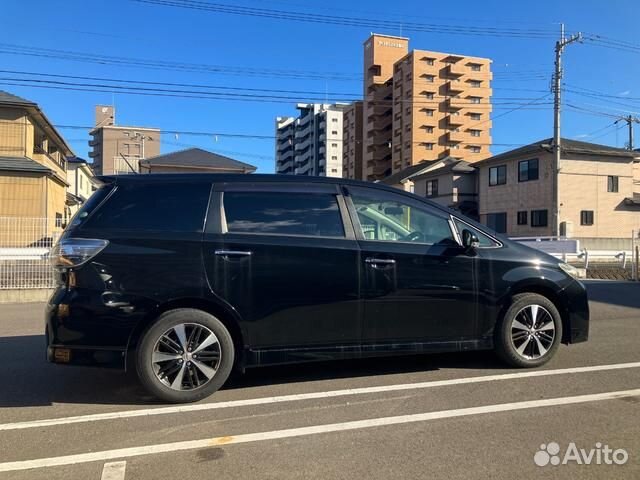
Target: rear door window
x=283, y=213
x=170, y=207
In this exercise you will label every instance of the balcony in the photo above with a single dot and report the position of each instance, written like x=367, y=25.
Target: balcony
x=454, y=120
x=454, y=103
x=456, y=87
x=455, y=136
x=456, y=69
x=285, y=166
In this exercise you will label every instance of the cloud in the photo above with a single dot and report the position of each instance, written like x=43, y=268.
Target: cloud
x=625, y=93
x=582, y=135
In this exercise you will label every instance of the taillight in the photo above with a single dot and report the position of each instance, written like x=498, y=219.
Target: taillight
x=73, y=252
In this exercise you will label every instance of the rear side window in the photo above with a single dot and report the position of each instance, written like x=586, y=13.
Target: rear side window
x=90, y=205
x=170, y=207
x=310, y=214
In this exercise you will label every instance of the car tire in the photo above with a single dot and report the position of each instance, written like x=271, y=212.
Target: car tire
x=529, y=332
x=184, y=356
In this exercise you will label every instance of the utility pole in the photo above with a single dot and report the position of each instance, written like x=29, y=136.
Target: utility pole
x=557, y=102
x=629, y=120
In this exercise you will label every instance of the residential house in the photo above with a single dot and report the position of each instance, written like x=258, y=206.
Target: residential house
x=598, y=191
x=451, y=183
x=33, y=166
x=81, y=183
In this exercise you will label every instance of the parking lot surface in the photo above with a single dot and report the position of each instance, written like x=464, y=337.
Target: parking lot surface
x=433, y=416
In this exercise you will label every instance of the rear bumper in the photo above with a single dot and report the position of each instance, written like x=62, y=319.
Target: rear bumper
x=82, y=330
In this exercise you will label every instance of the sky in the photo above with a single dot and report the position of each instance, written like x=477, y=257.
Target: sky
x=250, y=53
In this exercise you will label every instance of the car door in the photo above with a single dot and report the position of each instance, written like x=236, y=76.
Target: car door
x=285, y=257
x=418, y=282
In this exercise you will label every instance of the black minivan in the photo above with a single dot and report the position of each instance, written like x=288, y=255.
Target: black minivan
x=184, y=277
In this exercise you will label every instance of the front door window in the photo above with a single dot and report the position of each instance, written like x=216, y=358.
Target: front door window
x=387, y=217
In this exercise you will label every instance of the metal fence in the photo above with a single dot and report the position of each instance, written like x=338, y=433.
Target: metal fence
x=24, y=248
x=614, y=258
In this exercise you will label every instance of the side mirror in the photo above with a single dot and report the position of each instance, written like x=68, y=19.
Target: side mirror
x=469, y=240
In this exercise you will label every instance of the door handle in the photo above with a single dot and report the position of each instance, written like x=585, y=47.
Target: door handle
x=234, y=253
x=380, y=262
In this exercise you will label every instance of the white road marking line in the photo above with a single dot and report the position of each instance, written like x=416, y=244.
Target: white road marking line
x=308, y=396
x=113, y=471
x=304, y=431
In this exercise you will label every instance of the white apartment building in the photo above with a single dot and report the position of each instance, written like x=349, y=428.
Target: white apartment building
x=311, y=143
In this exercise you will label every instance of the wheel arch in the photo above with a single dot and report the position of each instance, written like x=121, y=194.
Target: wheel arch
x=549, y=291
x=230, y=319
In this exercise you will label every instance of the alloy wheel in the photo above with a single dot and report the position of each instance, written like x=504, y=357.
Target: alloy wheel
x=186, y=356
x=533, y=331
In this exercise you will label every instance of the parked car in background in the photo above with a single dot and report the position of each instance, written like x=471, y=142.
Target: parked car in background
x=185, y=277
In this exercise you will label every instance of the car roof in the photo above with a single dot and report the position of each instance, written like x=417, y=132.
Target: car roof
x=258, y=178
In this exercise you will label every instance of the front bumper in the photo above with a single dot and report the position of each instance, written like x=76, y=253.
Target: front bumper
x=577, y=310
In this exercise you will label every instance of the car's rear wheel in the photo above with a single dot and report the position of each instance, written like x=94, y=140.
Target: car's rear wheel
x=186, y=355
x=529, y=332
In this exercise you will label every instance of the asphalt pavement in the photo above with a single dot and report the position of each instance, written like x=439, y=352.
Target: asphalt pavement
x=433, y=416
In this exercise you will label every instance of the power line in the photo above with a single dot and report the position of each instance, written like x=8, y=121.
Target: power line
x=392, y=25
x=12, y=49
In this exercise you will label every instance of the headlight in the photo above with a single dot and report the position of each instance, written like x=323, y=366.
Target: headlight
x=569, y=270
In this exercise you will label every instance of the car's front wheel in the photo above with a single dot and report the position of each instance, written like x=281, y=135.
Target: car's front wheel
x=529, y=332
x=186, y=355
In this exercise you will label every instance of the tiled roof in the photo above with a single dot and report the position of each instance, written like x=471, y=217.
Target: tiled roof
x=567, y=145
x=22, y=164
x=196, y=157
x=407, y=173
x=9, y=98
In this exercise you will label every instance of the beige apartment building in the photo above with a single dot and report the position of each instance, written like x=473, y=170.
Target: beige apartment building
x=597, y=192
x=33, y=178
x=352, y=141
x=422, y=106
x=118, y=150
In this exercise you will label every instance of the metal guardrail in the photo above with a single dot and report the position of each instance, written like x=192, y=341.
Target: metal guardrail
x=570, y=251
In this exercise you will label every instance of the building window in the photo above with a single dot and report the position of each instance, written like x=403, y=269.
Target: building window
x=407, y=128
x=428, y=146
x=475, y=83
x=475, y=99
x=429, y=78
x=432, y=188
x=334, y=170
x=498, y=175
x=586, y=217
x=334, y=132
x=429, y=113
x=408, y=110
x=428, y=129
x=430, y=61
x=58, y=220
x=612, y=183
x=474, y=133
x=475, y=67
x=428, y=95
x=475, y=116
x=538, y=218
x=334, y=157
x=523, y=217
x=528, y=170
x=334, y=145
x=497, y=221
x=475, y=149
x=334, y=119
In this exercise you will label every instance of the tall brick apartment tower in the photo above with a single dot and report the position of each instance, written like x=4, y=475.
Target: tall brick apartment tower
x=421, y=106
x=381, y=52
